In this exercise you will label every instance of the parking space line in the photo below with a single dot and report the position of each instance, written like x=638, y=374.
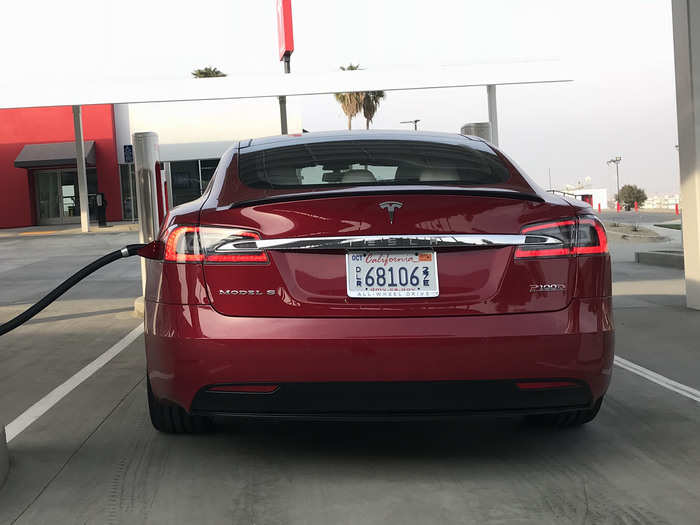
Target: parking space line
x=45, y=404
x=664, y=381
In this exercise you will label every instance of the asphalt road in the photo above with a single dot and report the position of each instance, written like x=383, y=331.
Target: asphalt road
x=94, y=458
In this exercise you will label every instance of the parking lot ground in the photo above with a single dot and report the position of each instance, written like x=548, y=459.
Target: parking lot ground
x=68, y=229
x=74, y=330
x=94, y=458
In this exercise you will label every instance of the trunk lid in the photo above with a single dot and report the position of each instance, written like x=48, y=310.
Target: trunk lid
x=472, y=281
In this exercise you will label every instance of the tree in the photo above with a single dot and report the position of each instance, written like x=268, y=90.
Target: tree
x=350, y=102
x=370, y=104
x=629, y=194
x=207, y=72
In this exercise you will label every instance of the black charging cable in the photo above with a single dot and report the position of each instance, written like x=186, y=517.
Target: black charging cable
x=127, y=251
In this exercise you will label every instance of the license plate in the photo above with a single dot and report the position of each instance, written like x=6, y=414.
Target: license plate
x=392, y=274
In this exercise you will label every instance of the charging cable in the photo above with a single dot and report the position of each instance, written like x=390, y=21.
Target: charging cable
x=127, y=251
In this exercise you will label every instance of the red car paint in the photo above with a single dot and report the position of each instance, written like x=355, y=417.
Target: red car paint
x=296, y=324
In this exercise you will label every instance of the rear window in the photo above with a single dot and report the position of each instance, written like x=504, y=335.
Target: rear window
x=371, y=162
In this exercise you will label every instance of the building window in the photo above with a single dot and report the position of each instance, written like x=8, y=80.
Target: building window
x=130, y=211
x=207, y=168
x=185, y=180
x=189, y=178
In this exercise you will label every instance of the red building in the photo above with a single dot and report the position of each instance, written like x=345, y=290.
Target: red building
x=38, y=165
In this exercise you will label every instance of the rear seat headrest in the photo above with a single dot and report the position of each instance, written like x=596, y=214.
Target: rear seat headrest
x=358, y=176
x=439, y=175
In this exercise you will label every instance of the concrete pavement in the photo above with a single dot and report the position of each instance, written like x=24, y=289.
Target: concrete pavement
x=94, y=458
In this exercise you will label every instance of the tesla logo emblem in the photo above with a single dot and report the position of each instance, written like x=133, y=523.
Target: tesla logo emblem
x=391, y=207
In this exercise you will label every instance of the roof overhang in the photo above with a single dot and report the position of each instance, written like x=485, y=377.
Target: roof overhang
x=30, y=93
x=53, y=154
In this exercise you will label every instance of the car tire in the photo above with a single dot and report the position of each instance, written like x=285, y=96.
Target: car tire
x=575, y=418
x=172, y=419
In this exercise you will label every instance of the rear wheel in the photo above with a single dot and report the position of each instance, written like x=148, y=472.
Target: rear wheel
x=575, y=418
x=173, y=419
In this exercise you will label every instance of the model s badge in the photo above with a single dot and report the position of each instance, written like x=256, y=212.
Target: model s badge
x=391, y=207
x=247, y=292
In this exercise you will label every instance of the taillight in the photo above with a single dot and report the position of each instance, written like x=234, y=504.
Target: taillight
x=210, y=245
x=217, y=244
x=578, y=236
x=182, y=245
x=564, y=231
x=591, y=236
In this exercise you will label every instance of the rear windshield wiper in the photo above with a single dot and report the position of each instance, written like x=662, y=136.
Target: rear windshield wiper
x=382, y=190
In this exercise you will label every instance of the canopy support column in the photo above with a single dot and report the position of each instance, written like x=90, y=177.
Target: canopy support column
x=686, y=43
x=493, y=113
x=82, y=171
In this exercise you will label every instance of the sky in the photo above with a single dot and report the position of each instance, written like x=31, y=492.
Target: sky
x=619, y=52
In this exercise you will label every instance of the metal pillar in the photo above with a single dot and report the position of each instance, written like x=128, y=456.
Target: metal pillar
x=283, y=100
x=145, y=158
x=82, y=171
x=686, y=44
x=493, y=113
x=616, y=161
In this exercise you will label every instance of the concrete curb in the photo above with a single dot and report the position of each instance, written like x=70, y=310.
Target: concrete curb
x=638, y=237
x=669, y=259
x=4, y=456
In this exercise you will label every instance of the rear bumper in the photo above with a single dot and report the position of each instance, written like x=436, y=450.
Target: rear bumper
x=394, y=400
x=375, y=367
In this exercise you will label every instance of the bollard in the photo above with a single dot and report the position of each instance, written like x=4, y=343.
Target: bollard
x=4, y=456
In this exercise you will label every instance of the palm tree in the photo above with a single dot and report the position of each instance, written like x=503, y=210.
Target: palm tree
x=207, y=72
x=350, y=102
x=370, y=104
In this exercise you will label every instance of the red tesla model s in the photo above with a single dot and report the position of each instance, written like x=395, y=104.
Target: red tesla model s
x=376, y=275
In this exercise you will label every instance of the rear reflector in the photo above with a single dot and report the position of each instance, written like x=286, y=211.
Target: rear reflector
x=579, y=236
x=246, y=389
x=541, y=385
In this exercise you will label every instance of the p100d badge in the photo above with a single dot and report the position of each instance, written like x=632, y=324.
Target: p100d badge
x=247, y=292
x=547, y=288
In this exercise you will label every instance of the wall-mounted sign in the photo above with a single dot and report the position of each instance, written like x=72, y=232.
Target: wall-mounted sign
x=284, y=27
x=128, y=154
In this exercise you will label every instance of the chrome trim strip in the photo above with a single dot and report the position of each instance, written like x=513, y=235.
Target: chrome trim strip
x=359, y=242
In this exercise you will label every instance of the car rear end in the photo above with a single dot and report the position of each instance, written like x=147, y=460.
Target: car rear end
x=378, y=275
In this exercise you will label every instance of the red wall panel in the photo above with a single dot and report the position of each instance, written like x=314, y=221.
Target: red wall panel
x=54, y=124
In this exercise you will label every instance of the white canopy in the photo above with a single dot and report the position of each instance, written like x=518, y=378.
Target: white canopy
x=28, y=92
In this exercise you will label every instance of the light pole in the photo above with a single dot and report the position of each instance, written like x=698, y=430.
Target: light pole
x=414, y=122
x=616, y=161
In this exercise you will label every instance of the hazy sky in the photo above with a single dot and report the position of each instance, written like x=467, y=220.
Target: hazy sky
x=620, y=51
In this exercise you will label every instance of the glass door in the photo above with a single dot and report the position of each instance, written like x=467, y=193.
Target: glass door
x=48, y=197
x=70, y=203
x=58, y=197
